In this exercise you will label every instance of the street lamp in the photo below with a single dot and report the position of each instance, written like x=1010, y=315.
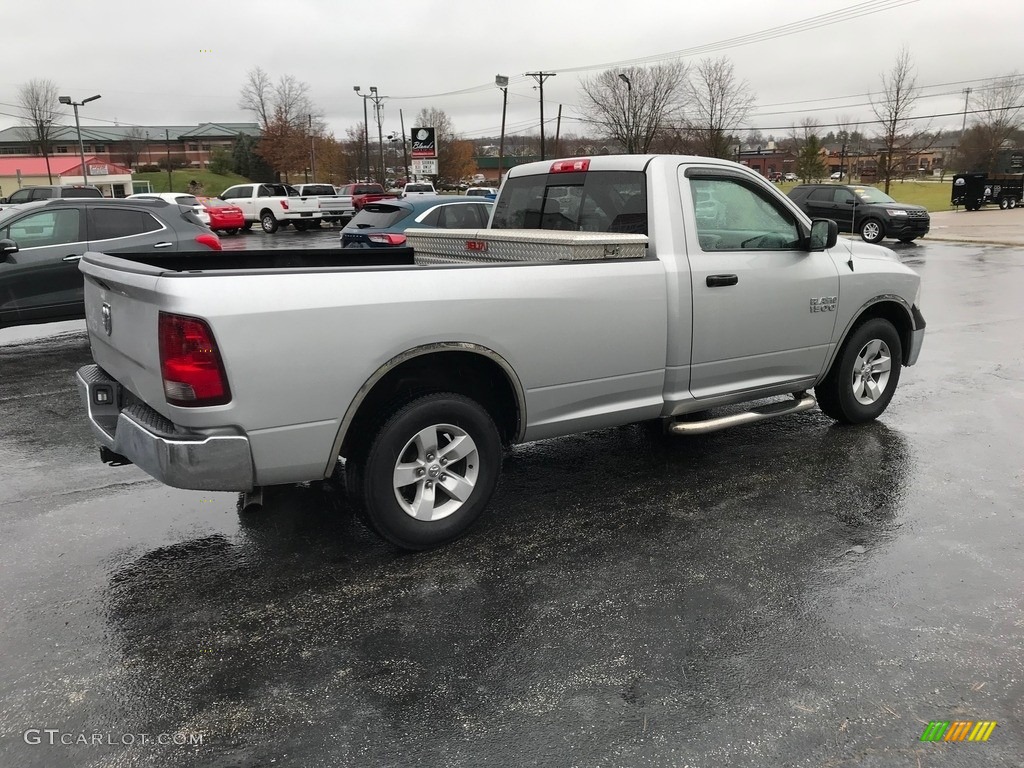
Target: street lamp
x=502, y=82
x=366, y=135
x=78, y=127
x=629, y=112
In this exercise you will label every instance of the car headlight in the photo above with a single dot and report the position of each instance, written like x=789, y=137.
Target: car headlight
x=895, y=212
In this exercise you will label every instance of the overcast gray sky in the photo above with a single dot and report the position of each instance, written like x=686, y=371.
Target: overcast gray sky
x=184, y=63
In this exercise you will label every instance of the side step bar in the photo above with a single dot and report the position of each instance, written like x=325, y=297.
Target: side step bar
x=801, y=402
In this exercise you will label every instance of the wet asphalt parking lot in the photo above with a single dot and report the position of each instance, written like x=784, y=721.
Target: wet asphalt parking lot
x=792, y=593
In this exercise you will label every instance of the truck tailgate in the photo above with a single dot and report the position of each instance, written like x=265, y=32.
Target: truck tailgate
x=122, y=307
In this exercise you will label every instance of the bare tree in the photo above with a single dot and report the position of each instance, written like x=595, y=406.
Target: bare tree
x=134, y=142
x=258, y=96
x=286, y=117
x=894, y=108
x=719, y=102
x=632, y=106
x=1000, y=115
x=38, y=102
x=845, y=138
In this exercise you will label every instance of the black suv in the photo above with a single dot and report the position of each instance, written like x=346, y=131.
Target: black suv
x=41, y=243
x=865, y=210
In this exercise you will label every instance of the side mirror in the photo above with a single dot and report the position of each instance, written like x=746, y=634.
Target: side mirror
x=824, y=234
x=851, y=201
x=7, y=247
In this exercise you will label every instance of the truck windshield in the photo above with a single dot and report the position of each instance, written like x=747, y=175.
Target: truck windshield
x=588, y=201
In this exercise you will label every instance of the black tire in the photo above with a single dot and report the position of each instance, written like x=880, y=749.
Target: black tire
x=1004, y=203
x=844, y=394
x=247, y=226
x=1013, y=202
x=908, y=239
x=370, y=476
x=232, y=231
x=872, y=231
x=269, y=223
x=300, y=226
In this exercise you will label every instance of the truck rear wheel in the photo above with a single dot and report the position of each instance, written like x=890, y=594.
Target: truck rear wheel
x=429, y=472
x=1004, y=203
x=268, y=222
x=864, y=375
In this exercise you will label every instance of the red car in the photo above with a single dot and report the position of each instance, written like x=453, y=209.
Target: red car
x=223, y=215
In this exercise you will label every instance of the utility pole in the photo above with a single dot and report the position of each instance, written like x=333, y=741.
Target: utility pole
x=405, y=147
x=376, y=99
x=558, y=133
x=540, y=77
x=963, y=127
x=167, y=136
x=312, y=150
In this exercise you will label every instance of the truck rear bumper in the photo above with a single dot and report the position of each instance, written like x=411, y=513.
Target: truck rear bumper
x=173, y=456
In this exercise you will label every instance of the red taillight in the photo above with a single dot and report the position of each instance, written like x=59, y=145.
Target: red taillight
x=568, y=166
x=387, y=239
x=190, y=363
x=210, y=241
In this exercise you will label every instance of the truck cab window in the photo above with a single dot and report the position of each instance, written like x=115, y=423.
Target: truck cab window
x=590, y=201
x=733, y=215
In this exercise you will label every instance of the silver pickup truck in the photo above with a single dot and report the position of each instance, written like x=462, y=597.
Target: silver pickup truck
x=607, y=290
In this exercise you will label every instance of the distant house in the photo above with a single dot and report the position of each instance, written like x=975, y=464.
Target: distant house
x=132, y=146
x=17, y=172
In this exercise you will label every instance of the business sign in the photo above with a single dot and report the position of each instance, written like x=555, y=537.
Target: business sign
x=424, y=167
x=424, y=142
x=98, y=170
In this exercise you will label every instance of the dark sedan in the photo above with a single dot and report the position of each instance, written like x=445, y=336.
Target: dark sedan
x=868, y=211
x=383, y=224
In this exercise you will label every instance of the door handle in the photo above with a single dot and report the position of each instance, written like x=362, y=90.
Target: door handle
x=163, y=245
x=72, y=257
x=716, y=281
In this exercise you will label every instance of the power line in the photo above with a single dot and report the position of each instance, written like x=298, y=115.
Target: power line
x=803, y=25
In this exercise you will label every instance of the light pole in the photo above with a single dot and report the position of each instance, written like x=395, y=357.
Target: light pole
x=366, y=129
x=502, y=82
x=78, y=127
x=629, y=112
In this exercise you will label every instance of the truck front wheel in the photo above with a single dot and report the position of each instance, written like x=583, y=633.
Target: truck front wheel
x=429, y=472
x=864, y=375
x=268, y=222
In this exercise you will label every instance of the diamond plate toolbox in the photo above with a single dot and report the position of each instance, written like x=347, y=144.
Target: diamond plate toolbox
x=495, y=246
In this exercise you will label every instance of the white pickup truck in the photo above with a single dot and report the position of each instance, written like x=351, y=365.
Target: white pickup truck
x=333, y=207
x=671, y=286
x=273, y=206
